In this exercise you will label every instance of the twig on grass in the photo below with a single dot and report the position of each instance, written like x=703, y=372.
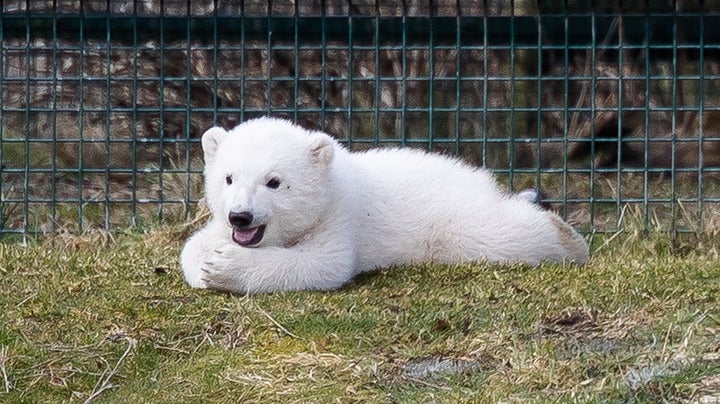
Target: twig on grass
x=104, y=381
x=277, y=324
x=25, y=300
x=424, y=383
x=666, y=343
x=3, y=359
x=171, y=349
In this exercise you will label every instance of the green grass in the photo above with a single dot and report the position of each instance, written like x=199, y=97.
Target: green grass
x=109, y=319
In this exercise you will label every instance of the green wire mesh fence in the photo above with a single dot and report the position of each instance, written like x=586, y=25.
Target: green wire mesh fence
x=611, y=108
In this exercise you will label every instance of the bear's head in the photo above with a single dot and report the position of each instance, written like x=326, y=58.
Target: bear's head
x=267, y=179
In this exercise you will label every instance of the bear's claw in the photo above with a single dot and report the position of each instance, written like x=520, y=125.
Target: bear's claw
x=220, y=271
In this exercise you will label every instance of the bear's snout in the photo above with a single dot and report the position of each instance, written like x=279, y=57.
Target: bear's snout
x=240, y=219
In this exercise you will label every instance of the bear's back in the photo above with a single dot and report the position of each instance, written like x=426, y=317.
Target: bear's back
x=405, y=200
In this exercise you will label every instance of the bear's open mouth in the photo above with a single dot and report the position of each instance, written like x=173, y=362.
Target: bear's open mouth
x=248, y=237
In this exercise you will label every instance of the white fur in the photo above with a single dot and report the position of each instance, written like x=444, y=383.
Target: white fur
x=336, y=213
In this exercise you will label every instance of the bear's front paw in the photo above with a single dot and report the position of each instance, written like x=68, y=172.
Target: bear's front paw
x=223, y=270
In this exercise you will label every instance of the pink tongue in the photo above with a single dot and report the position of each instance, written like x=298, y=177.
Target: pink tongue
x=244, y=236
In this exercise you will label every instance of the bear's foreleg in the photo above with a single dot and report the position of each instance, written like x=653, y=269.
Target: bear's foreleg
x=198, y=249
x=242, y=270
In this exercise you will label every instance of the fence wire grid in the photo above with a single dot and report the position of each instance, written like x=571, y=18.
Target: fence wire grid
x=612, y=109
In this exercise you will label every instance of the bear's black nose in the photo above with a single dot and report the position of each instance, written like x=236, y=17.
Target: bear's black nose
x=240, y=219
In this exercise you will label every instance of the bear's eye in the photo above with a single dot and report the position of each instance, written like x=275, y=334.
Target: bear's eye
x=228, y=179
x=274, y=183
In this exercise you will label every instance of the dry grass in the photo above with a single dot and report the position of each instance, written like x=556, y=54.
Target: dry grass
x=109, y=318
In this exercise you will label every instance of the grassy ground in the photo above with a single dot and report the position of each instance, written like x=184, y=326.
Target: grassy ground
x=109, y=319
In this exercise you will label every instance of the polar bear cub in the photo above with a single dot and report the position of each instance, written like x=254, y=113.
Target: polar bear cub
x=292, y=209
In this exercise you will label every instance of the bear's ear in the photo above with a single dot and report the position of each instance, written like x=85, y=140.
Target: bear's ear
x=322, y=148
x=210, y=141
